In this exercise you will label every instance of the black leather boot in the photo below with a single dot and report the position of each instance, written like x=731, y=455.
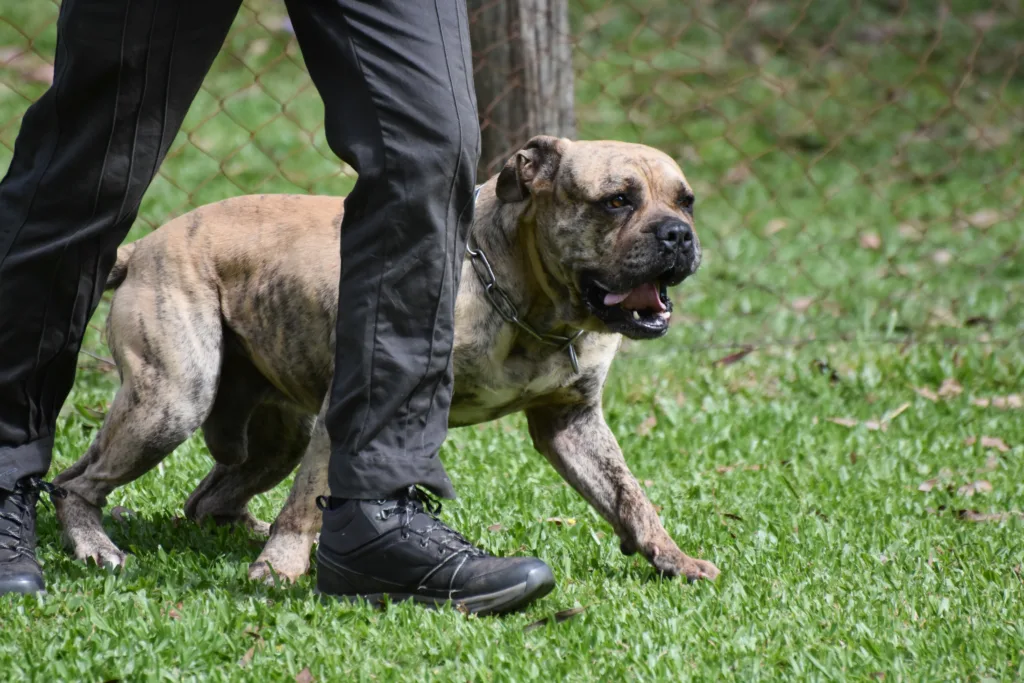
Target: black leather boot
x=19, y=570
x=400, y=549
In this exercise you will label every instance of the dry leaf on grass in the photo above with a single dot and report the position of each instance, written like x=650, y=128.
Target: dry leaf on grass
x=558, y=618
x=737, y=174
x=911, y=231
x=734, y=357
x=991, y=464
x=558, y=521
x=801, y=304
x=950, y=387
x=873, y=425
x=247, y=657
x=774, y=226
x=645, y=427
x=984, y=219
x=871, y=240
x=975, y=516
x=1004, y=402
x=928, y=485
x=942, y=257
x=495, y=528
x=925, y=392
x=988, y=442
x=304, y=676
x=970, y=489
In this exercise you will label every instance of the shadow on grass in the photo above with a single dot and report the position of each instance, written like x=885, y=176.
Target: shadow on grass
x=173, y=551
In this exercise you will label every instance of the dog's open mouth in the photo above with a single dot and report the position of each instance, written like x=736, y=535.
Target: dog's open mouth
x=639, y=312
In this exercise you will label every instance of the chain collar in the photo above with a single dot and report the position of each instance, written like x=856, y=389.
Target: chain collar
x=507, y=310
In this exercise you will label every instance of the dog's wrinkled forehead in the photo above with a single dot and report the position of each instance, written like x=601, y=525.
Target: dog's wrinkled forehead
x=593, y=170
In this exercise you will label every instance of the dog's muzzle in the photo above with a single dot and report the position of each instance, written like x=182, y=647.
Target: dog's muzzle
x=638, y=306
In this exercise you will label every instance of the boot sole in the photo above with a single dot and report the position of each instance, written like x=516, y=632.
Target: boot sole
x=539, y=582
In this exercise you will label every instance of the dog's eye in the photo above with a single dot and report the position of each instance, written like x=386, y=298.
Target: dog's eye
x=686, y=202
x=619, y=201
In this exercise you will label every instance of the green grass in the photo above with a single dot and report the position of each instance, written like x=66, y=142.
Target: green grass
x=834, y=564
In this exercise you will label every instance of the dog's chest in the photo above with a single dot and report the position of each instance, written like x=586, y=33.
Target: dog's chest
x=486, y=389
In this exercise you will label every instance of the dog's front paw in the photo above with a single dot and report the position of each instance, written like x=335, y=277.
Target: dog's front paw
x=103, y=553
x=265, y=571
x=672, y=561
x=283, y=560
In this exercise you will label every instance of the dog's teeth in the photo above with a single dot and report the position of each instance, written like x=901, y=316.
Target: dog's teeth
x=636, y=315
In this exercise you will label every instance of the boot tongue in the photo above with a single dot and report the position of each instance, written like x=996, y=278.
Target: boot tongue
x=642, y=298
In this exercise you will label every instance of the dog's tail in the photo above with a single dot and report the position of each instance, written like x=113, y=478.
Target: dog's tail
x=120, y=270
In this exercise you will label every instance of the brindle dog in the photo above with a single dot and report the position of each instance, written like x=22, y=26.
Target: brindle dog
x=224, y=319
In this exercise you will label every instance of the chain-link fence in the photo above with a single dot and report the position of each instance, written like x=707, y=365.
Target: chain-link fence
x=856, y=163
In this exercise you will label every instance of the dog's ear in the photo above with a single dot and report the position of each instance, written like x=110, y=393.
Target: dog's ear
x=530, y=169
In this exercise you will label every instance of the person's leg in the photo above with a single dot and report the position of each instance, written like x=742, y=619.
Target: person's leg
x=396, y=80
x=125, y=74
x=397, y=83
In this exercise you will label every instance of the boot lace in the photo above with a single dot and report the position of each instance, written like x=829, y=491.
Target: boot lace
x=17, y=510
x=416, y=501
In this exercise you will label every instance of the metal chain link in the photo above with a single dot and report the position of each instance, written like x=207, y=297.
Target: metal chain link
x=508, y=312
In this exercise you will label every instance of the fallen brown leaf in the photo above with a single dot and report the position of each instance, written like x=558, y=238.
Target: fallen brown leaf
x=911, y=231
x=984, y=219
x=304, y=676
x=896, y=413
x=558, y=521
x=558, y=618
x=970, y=489
x=1004, y=402
x=247, y=657
x=942, y=256
x=732, y=516
x=645, y=427
x=991, y=464
x=871, y=240
x=801, y=304
x=925, y=392
x=843, y=421
x=495, y=528
x=988, y=442
x=734, y=357
x=985, y=21
x=928, y=485
x=774, y=226
x=737, y=174
x=975, y=516
x=950, y=387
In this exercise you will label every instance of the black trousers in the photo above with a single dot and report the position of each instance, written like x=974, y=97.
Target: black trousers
x=397, y=84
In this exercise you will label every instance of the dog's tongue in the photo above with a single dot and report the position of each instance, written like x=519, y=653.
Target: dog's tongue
x=642, y=298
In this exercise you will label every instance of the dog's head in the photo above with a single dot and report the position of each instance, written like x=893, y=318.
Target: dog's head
x=613, y=228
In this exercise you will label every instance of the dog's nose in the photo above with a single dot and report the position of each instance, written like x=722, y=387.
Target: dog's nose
x=675, y=235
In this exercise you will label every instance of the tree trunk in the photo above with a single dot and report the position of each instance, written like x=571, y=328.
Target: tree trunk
x=522, y=62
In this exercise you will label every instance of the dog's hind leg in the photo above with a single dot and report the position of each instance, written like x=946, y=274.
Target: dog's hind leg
x=276, y=436
x=168, y=348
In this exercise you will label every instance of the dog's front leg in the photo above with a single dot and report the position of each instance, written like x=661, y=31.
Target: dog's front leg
x=581, y=447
